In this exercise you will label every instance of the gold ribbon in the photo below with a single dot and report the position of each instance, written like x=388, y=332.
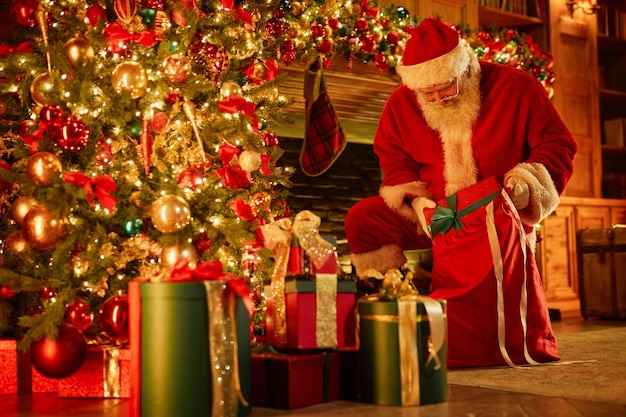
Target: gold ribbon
x=326, y=310
x=223, y=350
x=407, y=342
x=111, y=372
x=278, y=239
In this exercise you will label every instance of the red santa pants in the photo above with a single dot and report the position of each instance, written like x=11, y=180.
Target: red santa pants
x=371, y=224
x=485, y=269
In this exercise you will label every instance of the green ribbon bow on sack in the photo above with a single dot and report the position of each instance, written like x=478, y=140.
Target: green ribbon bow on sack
x=447, y=217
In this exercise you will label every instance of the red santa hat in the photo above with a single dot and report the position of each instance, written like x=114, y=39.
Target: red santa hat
x=434, y=54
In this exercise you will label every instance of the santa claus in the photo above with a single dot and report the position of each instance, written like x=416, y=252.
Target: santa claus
x=462, y=128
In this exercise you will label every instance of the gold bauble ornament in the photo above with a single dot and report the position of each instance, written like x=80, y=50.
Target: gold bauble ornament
x=230, y=89
x=170, y=213
x=130, y=77
x=259, y=71
x=21, y=207
x=296, y=8
x=78, y=51
x=249, y=160
x=260, y=203
x=43, y=167
x=177, y=68
x=42, y=229
x=15, y=243
x=41, y=86
x=174, y=253
x=293, y=32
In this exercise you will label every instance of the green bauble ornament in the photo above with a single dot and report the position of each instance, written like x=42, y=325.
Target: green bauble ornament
x=134, y=128
x=133, y=227
x=403, y=13
x=147, y=16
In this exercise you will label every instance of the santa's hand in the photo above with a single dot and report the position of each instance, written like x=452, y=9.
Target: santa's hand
x=419, y=204
x=518, y=191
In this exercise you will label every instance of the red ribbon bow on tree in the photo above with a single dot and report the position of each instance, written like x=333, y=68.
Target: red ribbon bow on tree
x=239, y=104
x=115, y=33
x=24, y=47
x=100, y=186
x=371, y=11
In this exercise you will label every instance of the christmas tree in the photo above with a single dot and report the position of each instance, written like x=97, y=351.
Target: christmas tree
x=139, y=134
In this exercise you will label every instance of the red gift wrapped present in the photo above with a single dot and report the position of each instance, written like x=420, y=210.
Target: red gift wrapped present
x=104, y=374
x=294, y=380
x=15, y=375
x=318, y=313
x=42, y=383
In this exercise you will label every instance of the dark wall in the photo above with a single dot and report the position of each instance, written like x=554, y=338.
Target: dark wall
x=354, y=175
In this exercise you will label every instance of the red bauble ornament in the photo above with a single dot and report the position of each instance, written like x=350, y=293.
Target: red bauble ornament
x=325, y=46
x=333, y=23
x=318, y=30
x=105, y=152
x=393, y=38
x=154, y=4
x=47, y=293
x=71, y=135
x=275, y=27
x=26, y=128
x=160, y=122
x=95, y=13
x=77, y=313
x=6, y=293
x=367, y=43
x=50, y=115
x=3, y=184
x=191, y=178
x=362, y=24
x=24, y=12
x=270, y=139
x=113, y=317
x=60, y=357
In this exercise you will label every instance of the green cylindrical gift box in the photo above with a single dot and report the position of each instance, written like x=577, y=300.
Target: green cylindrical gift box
x=175, y=361
x=380, y=357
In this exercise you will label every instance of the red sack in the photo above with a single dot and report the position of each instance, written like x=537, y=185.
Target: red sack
x=484, y=267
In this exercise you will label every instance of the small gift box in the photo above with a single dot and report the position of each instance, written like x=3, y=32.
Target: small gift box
x=307, y=306
x=190, y=344
x=104, y=374
x=294, y=380
x=403, y=350
x=317, y=314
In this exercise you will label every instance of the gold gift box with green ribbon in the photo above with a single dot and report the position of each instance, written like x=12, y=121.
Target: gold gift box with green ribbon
x=403, y=350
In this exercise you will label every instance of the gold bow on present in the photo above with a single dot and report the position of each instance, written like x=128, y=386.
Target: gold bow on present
x=277, y=236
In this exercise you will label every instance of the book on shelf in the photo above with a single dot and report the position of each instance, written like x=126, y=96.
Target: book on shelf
x=614, y=131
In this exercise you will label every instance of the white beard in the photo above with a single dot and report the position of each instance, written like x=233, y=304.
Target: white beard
x=454, y=123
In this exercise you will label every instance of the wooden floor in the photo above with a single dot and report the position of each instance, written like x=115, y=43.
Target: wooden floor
x=463, y=401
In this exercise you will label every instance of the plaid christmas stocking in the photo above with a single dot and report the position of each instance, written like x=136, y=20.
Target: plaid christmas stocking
x=324, y=139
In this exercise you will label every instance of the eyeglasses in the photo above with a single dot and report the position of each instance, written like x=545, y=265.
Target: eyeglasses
x=429, y=96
